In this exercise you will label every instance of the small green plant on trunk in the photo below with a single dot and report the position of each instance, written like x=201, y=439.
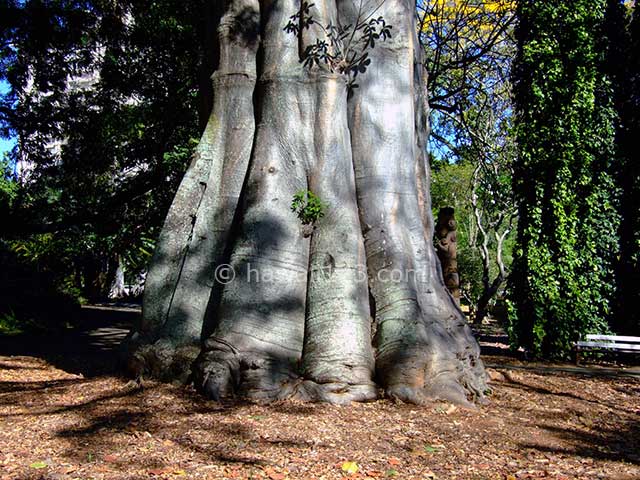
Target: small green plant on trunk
x=308, y=207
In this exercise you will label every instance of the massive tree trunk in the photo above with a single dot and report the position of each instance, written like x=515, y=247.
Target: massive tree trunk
x=271, y=308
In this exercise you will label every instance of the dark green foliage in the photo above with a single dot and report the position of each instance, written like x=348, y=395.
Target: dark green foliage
x=34, y=294
x=470, y=270
x=8, y=188
x=121, y=140
x=562, y=284
x=114, y=133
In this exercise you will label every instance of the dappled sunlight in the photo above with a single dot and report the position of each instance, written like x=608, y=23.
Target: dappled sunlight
x=539, y=424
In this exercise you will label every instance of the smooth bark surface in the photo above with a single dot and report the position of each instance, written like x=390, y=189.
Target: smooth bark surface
x=293, y=315
x=117, y=288
x=179, y=286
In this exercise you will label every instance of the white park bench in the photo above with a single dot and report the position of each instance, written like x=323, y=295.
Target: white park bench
x=615, y=343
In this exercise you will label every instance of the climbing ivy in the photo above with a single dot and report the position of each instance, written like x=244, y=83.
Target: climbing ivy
x=562, y=276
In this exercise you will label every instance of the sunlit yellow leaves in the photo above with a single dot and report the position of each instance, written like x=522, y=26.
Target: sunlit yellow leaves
x=465, y=16
x=469, y=7
x=350, y=467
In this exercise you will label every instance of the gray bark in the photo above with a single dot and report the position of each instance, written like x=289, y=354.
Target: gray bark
x=295, y=322
x=179, y=285
x=117, y=289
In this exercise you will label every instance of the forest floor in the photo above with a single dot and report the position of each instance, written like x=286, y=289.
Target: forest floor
x=64, y=414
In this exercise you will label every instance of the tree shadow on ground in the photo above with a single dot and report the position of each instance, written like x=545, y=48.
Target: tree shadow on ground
x=102, y=419
x=105, y=431
x=613, y=436
x=106, y=424
x=620, y=443
x=567, y=394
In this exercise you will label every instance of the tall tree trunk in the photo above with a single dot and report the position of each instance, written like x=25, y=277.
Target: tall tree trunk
x=117, y=287
x=179, y=288
x=290, y=315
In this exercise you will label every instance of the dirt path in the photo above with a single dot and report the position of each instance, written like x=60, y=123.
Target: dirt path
x=64, y=415
x=89, y=350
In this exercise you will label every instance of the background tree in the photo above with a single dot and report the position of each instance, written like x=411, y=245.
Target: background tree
x=450, y=187
x=468, y=52
x=622, y=64
x=469, y=47
x=562, y=282
x=447, y=249
x=630, y=238
x=104, y=100
x=493, y=205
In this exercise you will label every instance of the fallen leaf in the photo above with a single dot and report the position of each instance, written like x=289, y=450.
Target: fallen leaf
x=38, y=465
x=160, y=471
x=350, y=467
x=272, y=474
x=394, y=461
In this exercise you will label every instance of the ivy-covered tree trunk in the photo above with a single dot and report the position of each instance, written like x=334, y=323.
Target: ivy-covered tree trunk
x=622, y=63
x=276, y=309
x=631, y=189
x=562, y=283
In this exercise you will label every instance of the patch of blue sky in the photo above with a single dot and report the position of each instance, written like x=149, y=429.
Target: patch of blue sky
x=6, y=144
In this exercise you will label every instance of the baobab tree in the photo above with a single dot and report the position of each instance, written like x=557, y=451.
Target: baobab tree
x=320, y=105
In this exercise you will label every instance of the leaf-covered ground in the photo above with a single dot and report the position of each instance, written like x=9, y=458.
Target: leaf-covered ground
x=540, y=424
